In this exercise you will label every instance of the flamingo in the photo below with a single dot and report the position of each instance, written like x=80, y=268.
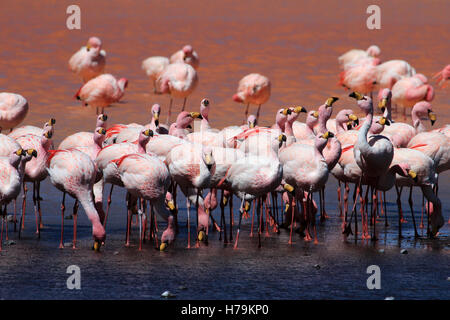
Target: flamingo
x=254, y=88
x=102, y=91
x=184, y=120
x=280, y=119
x=178, y=80
x=35, y=171
x=191, y=167
x=24, y=130
x=153, y=67
x=186, y=55
x=7, y=145
x=89, y=61
x=351, y=57
x=409, y=90
x=109, y=169
x=306, y=130
x=442, y=76
x=11, y=179
x=13, y=110
x=424, y=177
x=374, y=156
x=73, y=172
x=148, y=178
x=304, y=167
x=84, y=139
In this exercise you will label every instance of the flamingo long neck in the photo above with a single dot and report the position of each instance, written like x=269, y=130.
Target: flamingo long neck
x=142, y=144
x=333, y=153
x=417, y=122
x=340, y=126
x=288, y=129
x=86, y=202
x=387, y=111
x=310, y=126
x=362, y=134
x=160, y=207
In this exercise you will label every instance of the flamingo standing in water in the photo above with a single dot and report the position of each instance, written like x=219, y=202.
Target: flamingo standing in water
x=84, y=139
x=374, y=157
x=74, y=173
x=148, y=178
x=443, y=76
x=186, y=55
x=89, y=61
x=153, y=67
x=409, y=90
x=254, y=88
x=178, y=80
x=352, y=57
x=101, y=91
x=35, y=171
x=13, y=110
x=11, y=179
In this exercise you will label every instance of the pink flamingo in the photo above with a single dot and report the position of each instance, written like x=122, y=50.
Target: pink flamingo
x=73, y=172
x=409, y=90
x=306, y=130
x=7, y=145
x=424, y=177
x=191, y=167
x=102, y=91
x=35, y=171
x=24, y=130
x=254, y=88
x=89, y=61
x=184, y=120
x=354, y=56
x=442, y=76
x=115, y=151
x=148, y=178
x=153, y=67
x=178, y=80
x=374, y=156
x=13, y=110
x=11, y=179
x=186, y=55
x=280, y=119
x=304, y=167
x=84, y=139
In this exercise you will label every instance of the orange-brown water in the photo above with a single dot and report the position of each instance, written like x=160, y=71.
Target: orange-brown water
x=296, y=44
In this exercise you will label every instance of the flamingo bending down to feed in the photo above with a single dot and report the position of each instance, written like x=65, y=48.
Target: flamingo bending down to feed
x=11, y=179
x=178, y=80
x=101, y=91
x=13, y=110
x=73, y=172
x=352, y=57
x=254, y=88
x=186, y=55
x=89, y=61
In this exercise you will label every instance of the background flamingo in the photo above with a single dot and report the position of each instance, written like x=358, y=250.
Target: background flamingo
x=89, y=61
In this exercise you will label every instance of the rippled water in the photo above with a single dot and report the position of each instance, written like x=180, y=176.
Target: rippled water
x=296, y=45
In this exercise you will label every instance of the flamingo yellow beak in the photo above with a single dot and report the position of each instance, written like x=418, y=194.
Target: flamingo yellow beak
x=331, y=100
x=286, y=111
x=299, y=109
x=356, y=95
x=171, y=205
x=104, y=117
x=432, y=117
x=196, y=115
x=148, y=133
x=247, y=206
x=286, y=208
x=201, y=236
x=382, y=104
x=20, y=152
x=281, y=138
x=328, y=134
x=163, y=246
x=413, y=175
x=288, y=187
x=32, y=152
x=101, y=131
x=316, y=114
x=97, y=245
x=51, y=122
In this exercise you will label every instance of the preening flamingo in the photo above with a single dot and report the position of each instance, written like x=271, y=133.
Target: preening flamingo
x=74, y=173
x=83, y=139
x=89, y=61
x=254, y=88
x=102, y=91
x=352, y=57
x=153, y=67
x=13, y=110
x=186, y=55
x=178, y=80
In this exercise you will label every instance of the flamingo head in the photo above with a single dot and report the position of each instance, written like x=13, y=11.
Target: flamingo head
x=188, y=50
x=239, y=97
x=321, y=140
x=312, y=118
x=364, y=102
x=346, y=117
x=251, y=121
x=204, y=108
x=122, y=83
x=101, y=120
x=170, y=203
x=423, y=109
x=282, y=115
x=384, y=99
x=295, y=111
x=208, y=158
x=156, y=111
x=373, y=51
x=94, y=44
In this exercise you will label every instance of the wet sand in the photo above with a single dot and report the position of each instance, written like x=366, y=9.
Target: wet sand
x=296, y=46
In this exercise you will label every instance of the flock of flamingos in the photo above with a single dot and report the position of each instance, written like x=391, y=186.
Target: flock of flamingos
x=289, y=160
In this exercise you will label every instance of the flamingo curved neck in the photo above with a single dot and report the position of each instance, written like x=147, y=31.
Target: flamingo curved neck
x=362, y=134
x=417, y=122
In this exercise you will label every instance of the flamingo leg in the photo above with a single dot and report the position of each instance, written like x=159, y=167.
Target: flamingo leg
x=5, y=213
x=241, y=211
x=339, y=198
x=63, y=208
x=75, y=216
x=24, y=205
x=170, y=110
x=15, y=214
x=38, y=194
x=38, y=232
x=292, y=217
x=246, y=113
x=416, y=235
x=222, y=219
x=253, y=215
x=108, y=205
x=155, y=231
x=399, y=204
x=127, y=237
x=421, y=226
x=188, y=207
x=140, y=215
x=260, y=221
x=385, y=210
x=231, y=217
x=1, y=236
x=184, y=104
x=257, y=113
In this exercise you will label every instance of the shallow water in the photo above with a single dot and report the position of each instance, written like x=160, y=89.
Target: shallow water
x=296, y=45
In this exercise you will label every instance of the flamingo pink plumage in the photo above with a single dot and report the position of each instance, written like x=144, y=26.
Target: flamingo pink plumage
x=443, y=76
x=89, y=61
x=186, y=55
x=254, y=88
x=13, y=110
